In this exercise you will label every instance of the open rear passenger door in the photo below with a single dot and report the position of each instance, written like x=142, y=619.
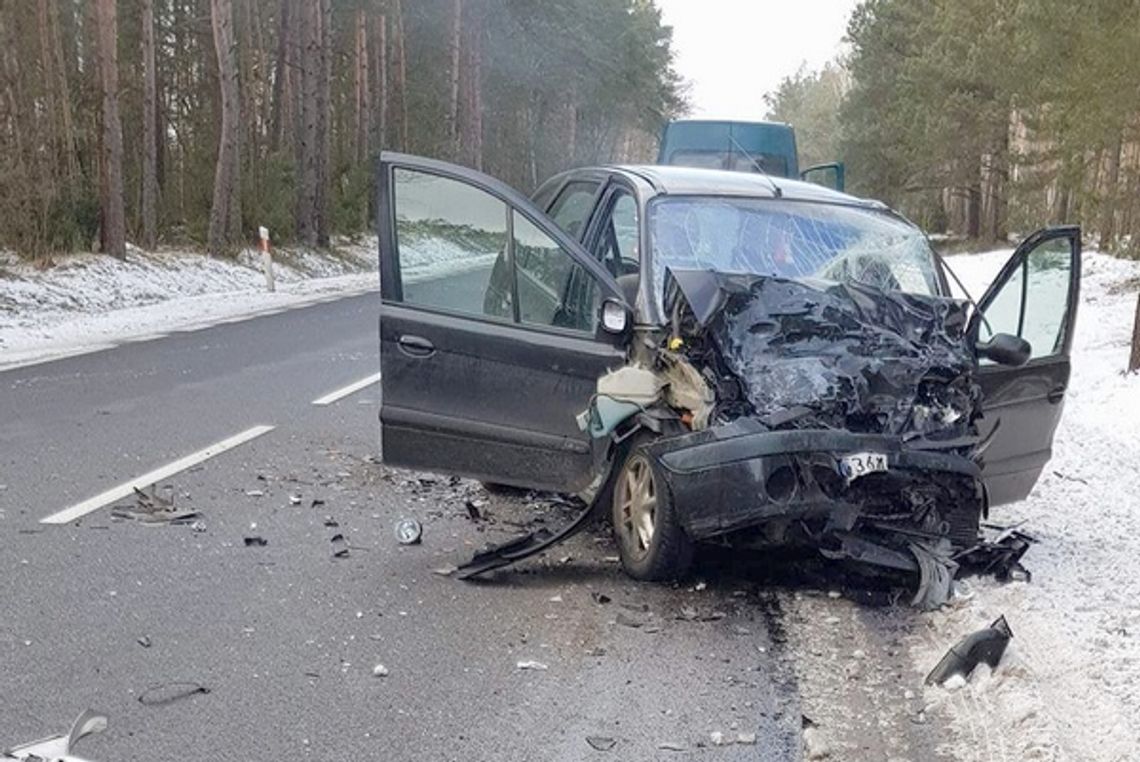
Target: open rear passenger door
x=494, y=328
x=1034, y=298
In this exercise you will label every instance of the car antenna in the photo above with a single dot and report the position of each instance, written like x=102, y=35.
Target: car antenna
x=775, y=188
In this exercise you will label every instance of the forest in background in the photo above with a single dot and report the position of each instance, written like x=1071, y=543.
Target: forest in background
x=196, y=121
x=984, y=118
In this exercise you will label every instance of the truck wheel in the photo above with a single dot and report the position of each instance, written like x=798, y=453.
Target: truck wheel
x=652, y=545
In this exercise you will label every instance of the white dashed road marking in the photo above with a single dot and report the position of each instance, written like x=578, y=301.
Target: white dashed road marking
x=126, y=489
x=332, y=397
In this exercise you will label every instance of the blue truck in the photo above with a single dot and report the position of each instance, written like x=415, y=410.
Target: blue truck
x=766, y=147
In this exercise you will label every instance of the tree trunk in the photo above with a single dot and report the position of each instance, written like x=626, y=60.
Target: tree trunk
x=113, y=235
x=401, y=66
x=363, y=105
x=225, y=213
x=281, y=114
x=1134, y=358
x=381, y=79
x=1108, y=206
x=473, y=139
x=309, y=25
x=453, y=99
x=63, y=92
x=150, y=131
x=324, y=118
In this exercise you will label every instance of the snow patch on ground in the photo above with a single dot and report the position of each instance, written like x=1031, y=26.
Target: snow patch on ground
x=1069, y=686
x=87, y=301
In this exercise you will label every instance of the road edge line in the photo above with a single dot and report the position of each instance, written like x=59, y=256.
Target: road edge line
x=79, y=510
x=344, y=391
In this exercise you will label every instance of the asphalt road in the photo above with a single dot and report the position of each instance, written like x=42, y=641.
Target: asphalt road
x=283, y=639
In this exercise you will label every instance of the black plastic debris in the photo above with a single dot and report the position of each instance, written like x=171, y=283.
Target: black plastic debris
x=168, y=693
x=255, y=542
x=340, y=546
x=600, y=598
x=999, y=555
x=601, y=743
x=473, y=511
x=986, y=646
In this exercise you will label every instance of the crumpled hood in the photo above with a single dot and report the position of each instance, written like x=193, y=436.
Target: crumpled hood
x=818, y=353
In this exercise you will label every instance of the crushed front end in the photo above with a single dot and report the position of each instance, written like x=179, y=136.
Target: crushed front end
x=838, y=416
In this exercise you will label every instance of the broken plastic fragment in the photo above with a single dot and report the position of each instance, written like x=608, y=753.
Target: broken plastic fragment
x=168, y=693
x=532, y=665
x=601, y=743
x=59, y=748
x=987, y=645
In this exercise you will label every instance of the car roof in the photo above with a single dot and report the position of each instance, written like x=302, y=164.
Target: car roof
x=682, y=181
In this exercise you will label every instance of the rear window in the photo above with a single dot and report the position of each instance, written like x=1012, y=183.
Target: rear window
x=771, y=164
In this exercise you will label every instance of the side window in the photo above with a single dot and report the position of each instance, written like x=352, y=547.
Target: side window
x=553, y=289
x=451, y=243
x=617, y=246
x=572, y=208
x=1033, y=303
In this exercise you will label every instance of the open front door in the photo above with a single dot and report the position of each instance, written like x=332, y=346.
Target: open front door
x=1035, y=298
x=491, y=330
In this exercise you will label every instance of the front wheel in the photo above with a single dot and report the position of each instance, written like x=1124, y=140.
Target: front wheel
x=651, y=542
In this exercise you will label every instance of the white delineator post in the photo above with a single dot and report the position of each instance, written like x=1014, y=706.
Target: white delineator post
x=266, y=259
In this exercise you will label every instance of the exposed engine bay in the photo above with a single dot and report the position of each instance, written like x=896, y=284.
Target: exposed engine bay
x=798, y=412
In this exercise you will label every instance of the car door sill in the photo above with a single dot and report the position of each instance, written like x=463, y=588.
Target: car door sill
x=464, y=427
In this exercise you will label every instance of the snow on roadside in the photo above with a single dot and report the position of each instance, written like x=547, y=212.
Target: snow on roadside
x=89, y=301
x=1069, y=686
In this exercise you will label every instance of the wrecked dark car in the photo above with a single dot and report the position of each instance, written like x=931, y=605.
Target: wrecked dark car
x=716, y=357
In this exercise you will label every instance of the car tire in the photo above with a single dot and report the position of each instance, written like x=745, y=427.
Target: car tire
x=651, y=543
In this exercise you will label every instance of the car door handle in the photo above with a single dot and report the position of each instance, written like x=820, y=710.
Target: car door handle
x=416, y=346
x=1056, y=395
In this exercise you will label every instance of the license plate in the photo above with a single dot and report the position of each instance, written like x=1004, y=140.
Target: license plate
x=858, y=464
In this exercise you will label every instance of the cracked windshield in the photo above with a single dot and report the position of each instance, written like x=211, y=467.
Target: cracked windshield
x=571, y=380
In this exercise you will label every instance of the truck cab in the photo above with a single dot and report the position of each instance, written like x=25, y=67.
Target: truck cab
x=765, y=147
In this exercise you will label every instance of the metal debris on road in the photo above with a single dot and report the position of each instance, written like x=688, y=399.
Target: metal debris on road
x=986, y=645
x=601, y=743
x=255, y=542
x=409, y=532
x=532, y=665
x=59, y=748
x=152, y=509
x=168, y=693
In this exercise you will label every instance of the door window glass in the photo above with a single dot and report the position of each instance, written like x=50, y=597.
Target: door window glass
x=617, y=248
x=451, y=245
x=572, y=207
x=553, y=289
x=1033, y=303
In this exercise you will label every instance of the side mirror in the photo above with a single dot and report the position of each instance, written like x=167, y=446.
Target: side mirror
x=616, y=317
x=831, y=175
x=1005, y=349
